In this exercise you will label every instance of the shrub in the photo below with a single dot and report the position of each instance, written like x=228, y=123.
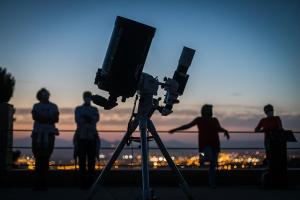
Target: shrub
x=7, y=85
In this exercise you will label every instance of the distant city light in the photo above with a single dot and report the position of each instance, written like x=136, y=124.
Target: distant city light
x=226, y=161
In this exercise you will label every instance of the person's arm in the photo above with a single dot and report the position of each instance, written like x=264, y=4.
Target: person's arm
x=95, y=116
x=34, y=114
x=186, y=126
x=221, y=129
x=78, y=118
x=279, y=123
x=37, y=115
x=226, y=133
x=91, y=117
x=55, y=117
x=259, y=127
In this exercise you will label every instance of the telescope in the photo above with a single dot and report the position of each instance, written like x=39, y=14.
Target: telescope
x=122, y=76
x=122, y=68
x=175, y=87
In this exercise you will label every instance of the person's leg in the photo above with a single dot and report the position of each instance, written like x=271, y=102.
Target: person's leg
x=268, y=158
x=212, y=167
x=202, y=159
x=44, y=171
x=82, y=161
x=46, y=154
x=280, y=169
x=91, y=155
x=205, y=155
x=273, y=165
x=37, y=171
x=213, y=159
x=40, y=182
x=284, y=167
x=37, y=166
x=208, y=156
x=267, y=175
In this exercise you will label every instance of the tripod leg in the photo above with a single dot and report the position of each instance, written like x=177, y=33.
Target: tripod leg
x=182, y=183
x=145, y=166
x=110, y=163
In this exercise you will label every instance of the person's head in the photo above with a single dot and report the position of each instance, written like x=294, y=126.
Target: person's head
x=43, y=95
x=269, y=110
x=87, y=97
x=206, y=111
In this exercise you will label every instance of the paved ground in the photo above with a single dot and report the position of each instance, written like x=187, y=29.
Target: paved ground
x=163, y=193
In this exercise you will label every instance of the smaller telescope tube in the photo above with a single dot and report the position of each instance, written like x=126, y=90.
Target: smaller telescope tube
x=180, y=75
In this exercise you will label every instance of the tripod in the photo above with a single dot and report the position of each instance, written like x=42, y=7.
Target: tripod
x=142, y=119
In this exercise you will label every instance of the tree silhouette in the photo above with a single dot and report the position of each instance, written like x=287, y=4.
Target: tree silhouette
x=7, y=85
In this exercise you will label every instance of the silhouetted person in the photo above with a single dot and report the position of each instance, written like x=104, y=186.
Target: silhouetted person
x=209, y=142
x=45, y=114
x=86, y=139
x=275, y=147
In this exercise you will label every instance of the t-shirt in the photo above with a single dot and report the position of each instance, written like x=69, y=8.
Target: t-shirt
x=269, y=125
x=208, y=129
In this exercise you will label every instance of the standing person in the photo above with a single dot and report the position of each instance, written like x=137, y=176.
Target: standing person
x=45, y=114
x=275, y=147
x=209, y=142
x=86, y=139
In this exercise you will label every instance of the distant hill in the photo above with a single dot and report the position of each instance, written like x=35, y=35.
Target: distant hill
x=169, y=143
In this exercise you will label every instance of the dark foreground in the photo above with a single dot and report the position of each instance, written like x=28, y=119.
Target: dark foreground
x=125, y=184
x=163, y=192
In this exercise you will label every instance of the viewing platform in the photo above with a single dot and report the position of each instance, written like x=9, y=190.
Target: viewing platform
x=125, y=184
x=251, y=192
x=158, y=177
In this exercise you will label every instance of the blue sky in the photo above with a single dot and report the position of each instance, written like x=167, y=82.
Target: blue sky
x=247, y=51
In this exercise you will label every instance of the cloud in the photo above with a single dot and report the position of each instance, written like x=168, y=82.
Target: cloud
x=232, y=117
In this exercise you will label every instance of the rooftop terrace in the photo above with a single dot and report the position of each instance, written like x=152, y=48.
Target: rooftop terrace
x=125, y=184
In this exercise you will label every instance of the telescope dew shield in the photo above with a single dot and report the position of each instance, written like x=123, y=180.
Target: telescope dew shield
x=180, y=75
x=125, y=57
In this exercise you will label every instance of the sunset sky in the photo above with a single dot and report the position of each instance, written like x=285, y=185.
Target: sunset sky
x=247, y=55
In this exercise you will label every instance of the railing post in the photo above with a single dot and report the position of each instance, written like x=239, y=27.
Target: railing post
x=6, y=136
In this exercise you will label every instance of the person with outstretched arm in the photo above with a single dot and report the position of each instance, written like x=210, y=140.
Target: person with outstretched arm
x=208, y=138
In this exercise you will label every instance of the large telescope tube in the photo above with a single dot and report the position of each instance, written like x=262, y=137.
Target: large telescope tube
x=124, y=60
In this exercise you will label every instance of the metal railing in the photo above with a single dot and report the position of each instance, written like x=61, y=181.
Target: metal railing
x=131, y=148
